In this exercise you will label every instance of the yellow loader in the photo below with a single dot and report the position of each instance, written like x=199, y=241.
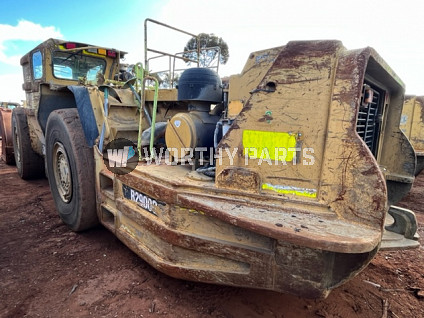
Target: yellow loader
x=279, y=179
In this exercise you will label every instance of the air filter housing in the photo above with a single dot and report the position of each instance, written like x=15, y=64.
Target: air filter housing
x=200, y=84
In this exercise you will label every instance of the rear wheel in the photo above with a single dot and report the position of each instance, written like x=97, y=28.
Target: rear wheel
x=70, y=169
x=29, y=164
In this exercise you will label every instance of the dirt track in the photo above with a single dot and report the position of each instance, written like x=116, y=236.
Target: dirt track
x=48, y=271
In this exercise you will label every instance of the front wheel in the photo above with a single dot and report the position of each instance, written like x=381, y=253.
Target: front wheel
x=70, y=169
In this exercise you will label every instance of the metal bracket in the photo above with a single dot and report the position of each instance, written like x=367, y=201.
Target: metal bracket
x=405, y=222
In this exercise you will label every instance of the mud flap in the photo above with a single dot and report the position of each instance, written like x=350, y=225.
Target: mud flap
x=85, y=112
x=400, y=230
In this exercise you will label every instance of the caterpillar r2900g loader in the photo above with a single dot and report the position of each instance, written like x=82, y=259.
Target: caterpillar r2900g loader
x=412, y=124
x=276, y=180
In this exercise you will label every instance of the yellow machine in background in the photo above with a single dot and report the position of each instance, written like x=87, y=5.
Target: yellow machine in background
x=412, y=124
x=280, y=179
x=6, y=131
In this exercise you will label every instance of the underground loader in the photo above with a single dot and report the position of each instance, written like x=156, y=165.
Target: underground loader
x=280, y=179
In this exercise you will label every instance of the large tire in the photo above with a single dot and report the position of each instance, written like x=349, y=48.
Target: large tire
x=30, y=165
x=70, y=170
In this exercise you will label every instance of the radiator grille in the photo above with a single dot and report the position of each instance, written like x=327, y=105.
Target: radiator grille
x=369, y=116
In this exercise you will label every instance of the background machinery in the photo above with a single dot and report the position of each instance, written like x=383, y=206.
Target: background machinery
x=6, y=131
x=412, y=124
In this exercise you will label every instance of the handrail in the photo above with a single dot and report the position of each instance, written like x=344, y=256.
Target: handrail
x=175, y=56
x=153, y=119
x=139, y=74
x=169, y=27
x=161, y=54
x=154, y=111
x=172, y=68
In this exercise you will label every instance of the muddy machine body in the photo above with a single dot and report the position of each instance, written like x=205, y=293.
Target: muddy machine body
x=279, y=178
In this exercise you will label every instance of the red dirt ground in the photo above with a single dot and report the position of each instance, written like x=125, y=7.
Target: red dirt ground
x=48, y=271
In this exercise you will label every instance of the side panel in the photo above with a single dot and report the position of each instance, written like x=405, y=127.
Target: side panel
x=292, y=98
x=317, y=91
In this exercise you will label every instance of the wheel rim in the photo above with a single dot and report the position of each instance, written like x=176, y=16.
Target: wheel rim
x=62, y=172
x=18, y=147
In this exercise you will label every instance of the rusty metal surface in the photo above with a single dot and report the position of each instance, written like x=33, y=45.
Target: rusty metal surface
x=200, y=245
x=310, y=225
x=318, y=87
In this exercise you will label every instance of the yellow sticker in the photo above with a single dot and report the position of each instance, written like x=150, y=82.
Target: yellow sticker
x=269, y=145
x=311, y=193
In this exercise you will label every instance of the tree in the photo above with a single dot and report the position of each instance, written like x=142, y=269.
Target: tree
x=165, y=81
x=208, y=50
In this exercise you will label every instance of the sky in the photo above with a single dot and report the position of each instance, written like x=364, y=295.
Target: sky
x=395, y=29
